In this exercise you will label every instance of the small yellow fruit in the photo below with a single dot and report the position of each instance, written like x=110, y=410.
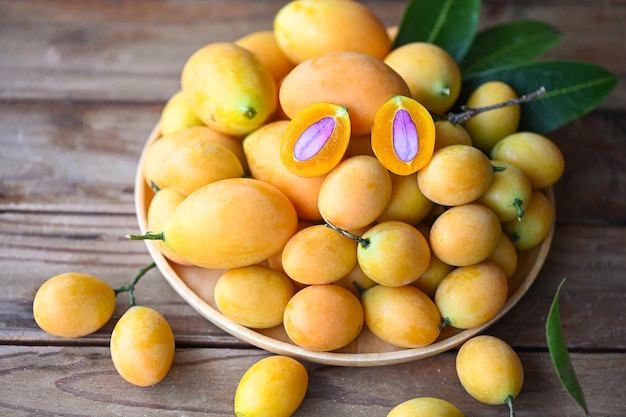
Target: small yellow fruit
x=229, y=89
x=73, y=304
x=489, y=370
x=177, y=115
x=425, y=407
x=142, y=346
x=273, y=387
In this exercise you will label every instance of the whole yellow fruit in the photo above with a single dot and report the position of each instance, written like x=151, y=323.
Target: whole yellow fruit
x=177, y=115
x=537, y=156
x=229, y=88
x=309, y=28
x=211, y=228
x=73, y=304
x=273, y=387
x=487, y=128
x=242, y=295
x=263, y=44
x=489, y=370
x=425, y=407
x=431, y=73
x=142, y=346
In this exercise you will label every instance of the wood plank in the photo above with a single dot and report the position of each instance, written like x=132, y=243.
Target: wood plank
x=35, y=247
x=135, y=51
x=103, y=143
x=81, y=381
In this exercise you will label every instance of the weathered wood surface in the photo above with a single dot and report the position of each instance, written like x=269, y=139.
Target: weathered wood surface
x=80, y=382
x=81, y=86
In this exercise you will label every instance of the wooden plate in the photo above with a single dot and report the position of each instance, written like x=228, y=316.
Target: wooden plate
x=195, y=285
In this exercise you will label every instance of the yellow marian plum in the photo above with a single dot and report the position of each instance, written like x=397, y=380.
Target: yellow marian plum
x=323, y=317
x=472, y=295
x=448, y=133
x=263, y=44
x=254, y=296
x=318, y=255
x=431, y=73
x=536, y=224
x=177, y=115
x=229, y=88
x=403, y=135
x=142, y=346
x=73, y=304
x=508, y=193
x=161, y=207
x=537, y=156
x=395, y=254
x=407, y=203
x=505, y=256
x=316, y=139
x=262, y=149
x=355, y=193
x=455, y=175
x=309, y=28
x=487, y=128
x=425, y=407
x=490, y=370
x=272, y=387
x=357, y=81
x=188, y=159
x=465, y=235
x=211, y=228
x=402, y=316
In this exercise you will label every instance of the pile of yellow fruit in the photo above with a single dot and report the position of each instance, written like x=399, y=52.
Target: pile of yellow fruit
x=317, y=169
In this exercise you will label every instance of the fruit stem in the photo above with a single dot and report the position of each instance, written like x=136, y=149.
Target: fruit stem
x=509, y=401
x=444, y=323
x=362, y=241
x=469, y=112
x=130, y=288
x=360, y=289
x=517, y=203
x=147, y=236
x=155, y=187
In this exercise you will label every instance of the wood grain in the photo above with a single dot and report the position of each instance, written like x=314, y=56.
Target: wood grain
x=134, y=51
x=83, y=382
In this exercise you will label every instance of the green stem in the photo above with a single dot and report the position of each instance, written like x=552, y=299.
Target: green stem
x=445, y=323
x=155, y=187
x=147, y=236
x=469, y=112
x=362, y=241
x=497, y=168
x=517, y=203
x=509, y=401
x=130, y=288
x=360, y=289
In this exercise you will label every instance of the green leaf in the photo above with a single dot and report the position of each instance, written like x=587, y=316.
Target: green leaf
x=509, y=44
x=560, y=355
x=450, y=24
x=573, y=89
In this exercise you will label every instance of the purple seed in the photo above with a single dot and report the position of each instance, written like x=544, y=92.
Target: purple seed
x=313, y=139
x=405, y=137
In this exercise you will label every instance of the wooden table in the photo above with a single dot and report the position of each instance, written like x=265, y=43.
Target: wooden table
x=81, y=86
